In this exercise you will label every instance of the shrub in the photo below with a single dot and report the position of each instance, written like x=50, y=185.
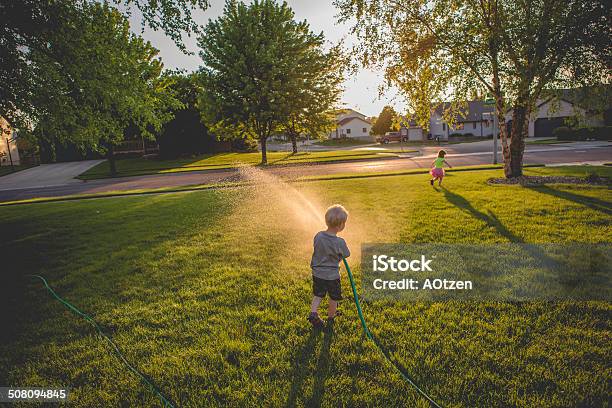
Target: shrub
x=562, y=133
x=185, y=135
x=602, y=133
x=244, y=145
x=582, y=134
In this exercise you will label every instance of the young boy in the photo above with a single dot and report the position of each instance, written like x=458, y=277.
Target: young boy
x=328, y=252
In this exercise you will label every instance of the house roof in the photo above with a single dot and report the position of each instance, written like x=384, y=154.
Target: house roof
x=589, y=98
x=344, y=111
x=347, y=120
x=593, y=98
x=407, y=121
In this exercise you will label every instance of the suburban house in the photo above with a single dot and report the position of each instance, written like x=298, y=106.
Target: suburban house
x=552, y=112
x=8, y=147
x=472, y=120
x=351, y=124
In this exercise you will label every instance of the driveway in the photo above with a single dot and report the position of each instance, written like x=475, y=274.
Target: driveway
x=46, y=175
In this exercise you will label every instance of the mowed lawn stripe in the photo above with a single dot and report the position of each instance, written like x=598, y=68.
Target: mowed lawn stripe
x=140, y=166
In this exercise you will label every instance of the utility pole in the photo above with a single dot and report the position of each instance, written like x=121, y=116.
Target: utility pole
x=489, y=101
x=494, y=138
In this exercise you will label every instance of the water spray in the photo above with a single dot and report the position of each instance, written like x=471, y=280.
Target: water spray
x=370, y=336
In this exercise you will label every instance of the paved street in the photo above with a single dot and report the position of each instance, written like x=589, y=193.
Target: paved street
x=459, y=155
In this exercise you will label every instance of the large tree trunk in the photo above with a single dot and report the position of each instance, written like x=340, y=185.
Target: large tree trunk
x=520, y=122
x=293, y=143
x=500, y=111
x=111, y=160
x=264, y=153
x=503, y=133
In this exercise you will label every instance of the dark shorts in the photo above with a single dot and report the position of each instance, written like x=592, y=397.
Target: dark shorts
x=321, y=287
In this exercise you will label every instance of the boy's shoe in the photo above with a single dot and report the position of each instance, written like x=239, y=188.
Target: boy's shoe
x=315, y=320
x=331, y=319
x=431, y=182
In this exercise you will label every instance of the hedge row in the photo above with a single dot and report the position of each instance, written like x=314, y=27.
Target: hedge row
x=598, y=133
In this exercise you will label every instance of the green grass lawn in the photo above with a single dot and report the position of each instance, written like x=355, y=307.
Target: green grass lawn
x=207, y=292
x=140, y=166
x=546, y=141
x=4, y=170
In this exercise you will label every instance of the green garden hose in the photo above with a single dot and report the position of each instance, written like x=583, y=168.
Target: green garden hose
x=369, y=335
x=164, y=400
x=167, y=403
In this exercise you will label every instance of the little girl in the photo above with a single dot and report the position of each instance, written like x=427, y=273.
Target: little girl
x=437, y=170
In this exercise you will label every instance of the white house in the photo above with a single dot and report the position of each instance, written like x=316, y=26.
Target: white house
x=350, y=123
x=8, y=147
x=551, y=113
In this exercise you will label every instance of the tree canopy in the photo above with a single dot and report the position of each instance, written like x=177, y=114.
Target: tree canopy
x=83, y=77
x=27, y=24
x=174, y=17
x=311, y=109
x=516, y=51
x=263, y=71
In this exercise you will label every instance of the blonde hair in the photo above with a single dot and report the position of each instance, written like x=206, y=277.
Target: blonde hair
x=335, y=216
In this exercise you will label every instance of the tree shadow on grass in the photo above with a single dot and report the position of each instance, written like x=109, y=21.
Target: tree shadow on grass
x=301, y=372
x=287, y=156
x=490, y=218
x=536, y=252
x=591, y=202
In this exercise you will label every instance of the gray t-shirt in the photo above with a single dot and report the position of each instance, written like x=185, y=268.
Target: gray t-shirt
x=328, y=251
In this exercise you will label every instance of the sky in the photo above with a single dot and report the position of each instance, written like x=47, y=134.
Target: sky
x=361, y=90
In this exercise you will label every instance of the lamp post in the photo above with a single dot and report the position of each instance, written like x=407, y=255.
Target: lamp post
x=8, y=149
x=491, y=102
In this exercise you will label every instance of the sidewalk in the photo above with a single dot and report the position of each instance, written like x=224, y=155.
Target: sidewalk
x=46, y=175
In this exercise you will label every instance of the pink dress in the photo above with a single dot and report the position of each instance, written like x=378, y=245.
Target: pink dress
x=437, y=172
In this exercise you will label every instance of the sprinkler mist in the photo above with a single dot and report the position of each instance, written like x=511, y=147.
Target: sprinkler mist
x=281, y=196
x=293, y=206
x=272, y=206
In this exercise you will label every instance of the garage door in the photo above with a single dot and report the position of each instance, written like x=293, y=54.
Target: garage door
x=415, y=134
x=544, y=126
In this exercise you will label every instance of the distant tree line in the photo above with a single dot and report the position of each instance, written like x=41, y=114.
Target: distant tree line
x=387, y=121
